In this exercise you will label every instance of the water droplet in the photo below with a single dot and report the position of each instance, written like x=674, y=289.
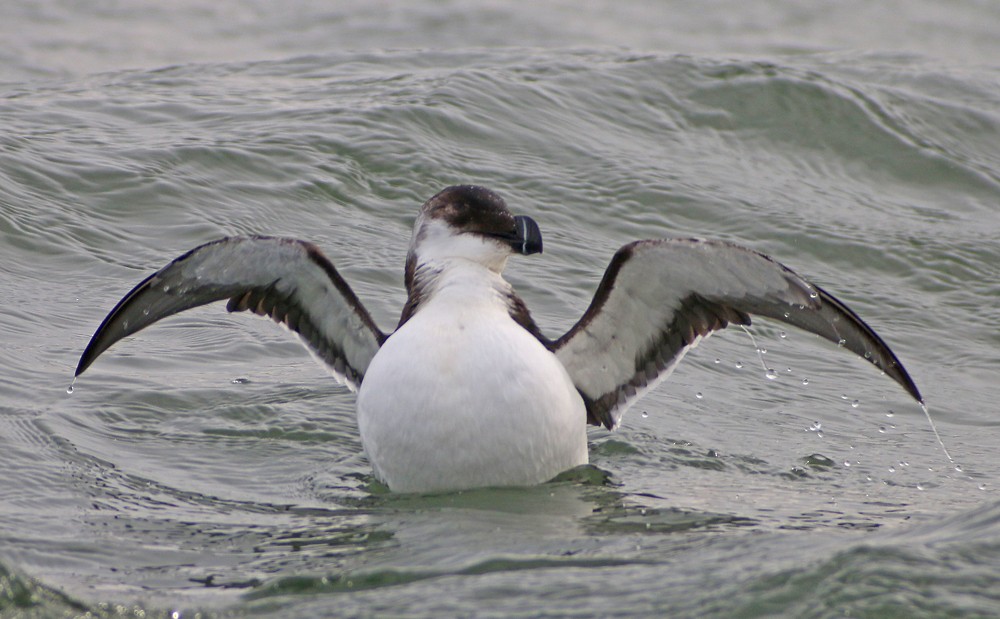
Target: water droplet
x=166, y=287
x=881, y=429
x=890, y=414
x=846, y=463
x=717, y=360
x=782, y=334
x=868, y=354
x=145, y=311
x=813, y=294
x=892, y=469
x=855, y=404
x=241, y=380
x=841, y=343
x=787, y=314
x=771, y=374
x=816, y=427
x=698, y=395
x=739, y=365
x=70, y=388
x=805, y=381
x=958, y=467
x=645, y=414
x=762, y=350
x=982, y=486
x=919, y=487
x=124, y=324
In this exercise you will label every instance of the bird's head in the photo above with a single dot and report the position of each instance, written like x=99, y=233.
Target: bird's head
x=472, y=223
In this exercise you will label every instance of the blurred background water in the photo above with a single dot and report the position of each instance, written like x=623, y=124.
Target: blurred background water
x=208, y=467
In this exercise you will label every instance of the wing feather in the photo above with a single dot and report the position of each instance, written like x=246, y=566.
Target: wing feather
x=288, y=280
x=659, y=298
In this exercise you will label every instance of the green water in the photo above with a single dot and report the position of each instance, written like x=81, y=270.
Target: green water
x=209, y=467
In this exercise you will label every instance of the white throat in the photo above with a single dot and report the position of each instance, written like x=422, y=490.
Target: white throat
x=436, y=244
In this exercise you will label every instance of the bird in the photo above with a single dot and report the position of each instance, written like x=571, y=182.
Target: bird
x=466, y=391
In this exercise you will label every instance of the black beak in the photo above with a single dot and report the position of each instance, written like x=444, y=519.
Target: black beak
x=528, y=239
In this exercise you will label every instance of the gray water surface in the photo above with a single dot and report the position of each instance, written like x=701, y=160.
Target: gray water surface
x=209, y=466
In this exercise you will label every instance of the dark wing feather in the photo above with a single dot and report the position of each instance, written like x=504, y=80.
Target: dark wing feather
x=288, y=280
x=659, y=298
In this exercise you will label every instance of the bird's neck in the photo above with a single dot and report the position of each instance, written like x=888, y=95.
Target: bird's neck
x=462, y=283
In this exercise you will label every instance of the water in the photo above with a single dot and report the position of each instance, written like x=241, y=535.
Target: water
x=209, y=467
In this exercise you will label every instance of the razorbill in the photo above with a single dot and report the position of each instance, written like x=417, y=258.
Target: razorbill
x=467, y=391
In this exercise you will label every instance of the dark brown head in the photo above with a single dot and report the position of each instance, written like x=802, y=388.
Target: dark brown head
x=473, y=223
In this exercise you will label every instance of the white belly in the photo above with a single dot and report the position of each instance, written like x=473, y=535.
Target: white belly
x=458, y=400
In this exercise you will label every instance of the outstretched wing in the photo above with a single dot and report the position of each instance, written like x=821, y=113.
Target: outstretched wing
x=659, y=298
x=289, y=280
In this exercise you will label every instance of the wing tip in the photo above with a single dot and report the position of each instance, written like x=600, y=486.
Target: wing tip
x=81, y=367
x=910, y=386
x=95, y=347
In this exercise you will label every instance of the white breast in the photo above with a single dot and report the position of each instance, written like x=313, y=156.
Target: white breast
x=461, y=396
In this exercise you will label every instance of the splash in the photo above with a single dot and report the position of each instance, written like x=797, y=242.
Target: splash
x=930, y=421
x=770, y=373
